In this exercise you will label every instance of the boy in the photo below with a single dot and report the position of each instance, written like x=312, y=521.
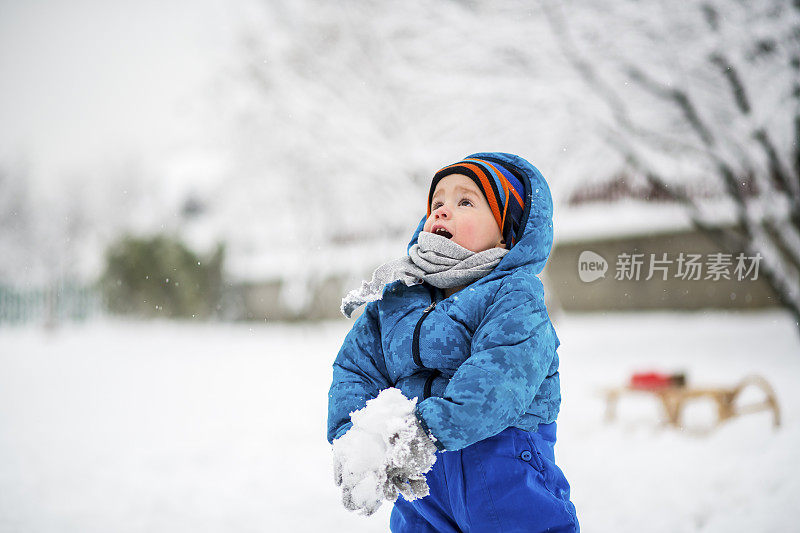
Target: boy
x=465, y=332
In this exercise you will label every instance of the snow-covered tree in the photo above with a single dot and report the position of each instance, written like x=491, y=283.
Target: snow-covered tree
x=703, y=91
x=350, y=105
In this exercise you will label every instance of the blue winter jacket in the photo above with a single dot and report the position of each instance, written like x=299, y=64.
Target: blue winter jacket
x=480, y=361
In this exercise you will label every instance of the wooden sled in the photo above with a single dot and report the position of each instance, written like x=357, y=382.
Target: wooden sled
x=674, y=398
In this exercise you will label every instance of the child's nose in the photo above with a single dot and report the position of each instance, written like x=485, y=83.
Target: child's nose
x=442, y=212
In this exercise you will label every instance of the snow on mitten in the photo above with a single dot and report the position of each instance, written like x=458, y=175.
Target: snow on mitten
x=356, y=466
x=384, y=454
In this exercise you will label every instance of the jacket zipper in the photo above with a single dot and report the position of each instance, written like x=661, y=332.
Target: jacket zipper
x=415, y=348
x=415, y=339
x=426, y=391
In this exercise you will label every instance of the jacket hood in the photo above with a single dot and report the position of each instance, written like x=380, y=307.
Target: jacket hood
x=534, y=246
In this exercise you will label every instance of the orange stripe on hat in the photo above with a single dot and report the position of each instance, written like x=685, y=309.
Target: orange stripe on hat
x=506, y=185
x=506, y=188
x=488, y=191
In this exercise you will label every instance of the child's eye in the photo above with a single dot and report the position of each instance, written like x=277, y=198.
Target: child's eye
x=466, y=202
x=436, y=205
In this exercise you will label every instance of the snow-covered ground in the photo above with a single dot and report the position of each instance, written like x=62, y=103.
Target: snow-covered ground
x=170, y=427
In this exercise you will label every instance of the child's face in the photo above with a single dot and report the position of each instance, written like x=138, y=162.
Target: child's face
x=460, y=212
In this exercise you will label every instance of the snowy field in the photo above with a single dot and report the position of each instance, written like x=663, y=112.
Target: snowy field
x=163, y=427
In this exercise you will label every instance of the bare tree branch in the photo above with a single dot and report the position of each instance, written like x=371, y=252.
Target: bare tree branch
x=730, y=74
x=795, y=66
x=778, y=174
x=678, y=97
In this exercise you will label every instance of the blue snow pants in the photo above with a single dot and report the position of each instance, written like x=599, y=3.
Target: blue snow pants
x=506, y=483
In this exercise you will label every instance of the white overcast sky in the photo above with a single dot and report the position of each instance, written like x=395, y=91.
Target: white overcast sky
x=83, y=81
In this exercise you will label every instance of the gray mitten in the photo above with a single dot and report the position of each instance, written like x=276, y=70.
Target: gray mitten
x=384, y=454
x=411, y=454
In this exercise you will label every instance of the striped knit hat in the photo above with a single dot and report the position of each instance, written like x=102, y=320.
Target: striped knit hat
x=503, y=191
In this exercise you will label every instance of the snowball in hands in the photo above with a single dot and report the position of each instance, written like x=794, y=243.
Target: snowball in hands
x=386, y=452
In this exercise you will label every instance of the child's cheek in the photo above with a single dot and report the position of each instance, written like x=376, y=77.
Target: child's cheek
x=466, y=233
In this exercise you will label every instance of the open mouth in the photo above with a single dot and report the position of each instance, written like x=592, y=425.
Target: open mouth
x=438, y=230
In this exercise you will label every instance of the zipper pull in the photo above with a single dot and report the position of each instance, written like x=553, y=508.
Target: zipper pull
x=429, y=308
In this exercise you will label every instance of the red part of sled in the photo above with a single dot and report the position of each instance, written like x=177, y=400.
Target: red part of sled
x=652, y=380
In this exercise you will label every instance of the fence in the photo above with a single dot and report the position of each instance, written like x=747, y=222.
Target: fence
x=62, y=301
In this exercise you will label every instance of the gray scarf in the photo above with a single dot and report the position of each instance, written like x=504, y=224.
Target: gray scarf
x=435, y=259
